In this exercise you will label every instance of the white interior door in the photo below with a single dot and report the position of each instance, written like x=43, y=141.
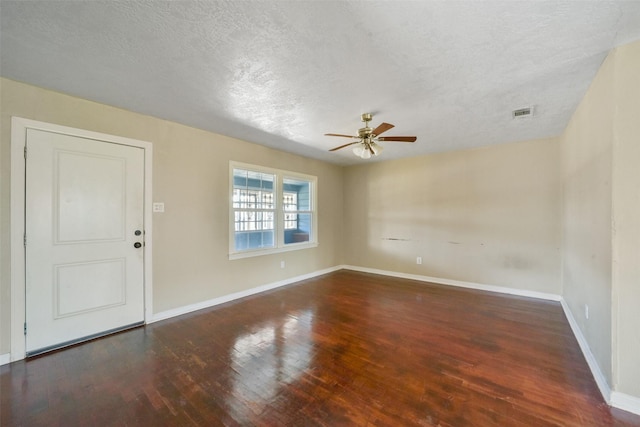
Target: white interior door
x=84, y=252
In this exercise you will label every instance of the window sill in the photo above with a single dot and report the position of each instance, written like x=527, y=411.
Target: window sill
x=269, y=251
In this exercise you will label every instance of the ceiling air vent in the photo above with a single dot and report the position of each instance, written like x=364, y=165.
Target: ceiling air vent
x=522, y=112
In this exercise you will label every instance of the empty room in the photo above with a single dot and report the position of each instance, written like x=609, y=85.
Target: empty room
x=319, y=213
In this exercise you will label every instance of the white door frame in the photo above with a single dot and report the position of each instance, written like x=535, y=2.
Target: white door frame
x=19, y=128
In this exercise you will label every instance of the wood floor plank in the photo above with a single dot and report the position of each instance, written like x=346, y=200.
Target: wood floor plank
x=344, y=349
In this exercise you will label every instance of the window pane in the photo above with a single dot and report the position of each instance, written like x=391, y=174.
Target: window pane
x=254, y=220
x=289, y=201
x=302, y=191
x=290, y=221
x=266, y=200
x=255, y=180
x=302, y=231
x=253, y=197
x=290, y=205
x=253, y=240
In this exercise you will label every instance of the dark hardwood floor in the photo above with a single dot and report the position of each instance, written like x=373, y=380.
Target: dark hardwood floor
x=343, y=349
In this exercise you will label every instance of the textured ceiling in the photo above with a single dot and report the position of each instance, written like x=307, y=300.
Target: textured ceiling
x=283, y=73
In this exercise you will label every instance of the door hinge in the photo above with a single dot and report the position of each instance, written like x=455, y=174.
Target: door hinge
x=24, y=240
x=25, y=328
x=25, y=152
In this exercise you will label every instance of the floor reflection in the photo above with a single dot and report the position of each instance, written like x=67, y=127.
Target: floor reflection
x=270, y=357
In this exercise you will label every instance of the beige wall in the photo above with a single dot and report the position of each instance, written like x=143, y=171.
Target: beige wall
x=586, y=250
x=191, y=175
x=601, y=221
x=488, y=216
x=626, y=220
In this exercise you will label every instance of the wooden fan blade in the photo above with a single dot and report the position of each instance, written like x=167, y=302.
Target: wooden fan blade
x=398, y=138
x=345, y=145
x=339, y=134
x=382, y=128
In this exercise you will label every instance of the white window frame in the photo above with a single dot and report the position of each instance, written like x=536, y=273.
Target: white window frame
x=279, y=244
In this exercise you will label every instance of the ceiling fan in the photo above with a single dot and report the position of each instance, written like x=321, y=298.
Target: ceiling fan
x=369, y=138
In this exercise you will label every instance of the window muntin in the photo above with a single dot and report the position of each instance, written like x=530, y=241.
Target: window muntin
x=270, y=211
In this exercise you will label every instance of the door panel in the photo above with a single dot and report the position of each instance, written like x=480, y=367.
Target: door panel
x=71, y=296
x=84, y=202
x=97, y=184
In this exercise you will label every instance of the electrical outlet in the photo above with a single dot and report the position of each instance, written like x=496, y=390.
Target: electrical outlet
x=281, y=264
x=419, y=260
x=586, y=311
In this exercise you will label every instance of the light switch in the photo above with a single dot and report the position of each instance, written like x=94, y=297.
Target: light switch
x=158, y=207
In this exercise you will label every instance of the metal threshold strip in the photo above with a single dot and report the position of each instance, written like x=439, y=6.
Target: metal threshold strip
x=83, y=339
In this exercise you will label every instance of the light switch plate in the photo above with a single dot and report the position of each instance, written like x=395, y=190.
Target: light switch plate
x=158, y=207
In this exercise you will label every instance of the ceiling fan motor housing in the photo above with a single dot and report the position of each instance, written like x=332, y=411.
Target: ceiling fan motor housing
x=365, y=132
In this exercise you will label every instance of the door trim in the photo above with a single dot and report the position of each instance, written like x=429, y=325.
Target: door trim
x=19, y=128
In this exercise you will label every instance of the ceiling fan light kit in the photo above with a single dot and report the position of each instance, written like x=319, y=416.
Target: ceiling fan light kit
x=367, y=149
x=368, y=138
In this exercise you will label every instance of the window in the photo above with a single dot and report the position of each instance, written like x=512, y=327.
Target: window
x=270, y=211
x=296, y=204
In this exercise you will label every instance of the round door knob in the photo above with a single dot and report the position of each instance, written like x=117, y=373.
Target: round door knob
x=137, y=245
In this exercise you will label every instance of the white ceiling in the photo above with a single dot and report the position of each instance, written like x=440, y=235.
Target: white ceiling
x=283, y=73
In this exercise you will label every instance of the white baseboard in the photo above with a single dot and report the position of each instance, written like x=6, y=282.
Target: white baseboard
x=625, y=402
x=5, y=358
x=459, y=283
x=601, y=381
x=237, y=295
x=616, y=399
